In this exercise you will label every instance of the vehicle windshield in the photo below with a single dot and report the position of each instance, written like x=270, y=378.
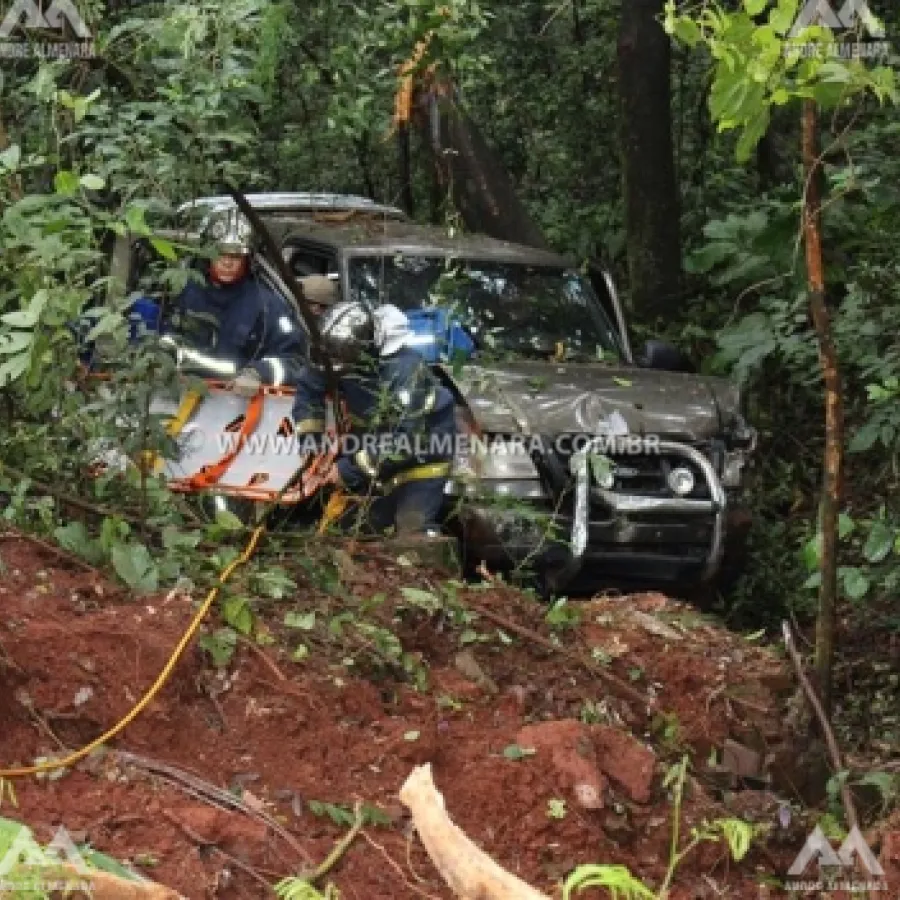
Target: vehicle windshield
x=511, y=310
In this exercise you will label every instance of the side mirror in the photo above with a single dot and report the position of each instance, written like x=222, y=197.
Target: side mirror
x=665, y=357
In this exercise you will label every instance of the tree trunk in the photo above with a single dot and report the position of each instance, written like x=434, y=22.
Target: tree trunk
x=469, y=169
x=834, y=412
x=652, y=206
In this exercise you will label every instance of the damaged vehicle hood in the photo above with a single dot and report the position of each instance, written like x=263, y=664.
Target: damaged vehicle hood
x=550, y=398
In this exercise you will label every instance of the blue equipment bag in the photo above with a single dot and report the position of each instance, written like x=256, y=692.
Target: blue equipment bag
x=436, y=336
x=143, y=317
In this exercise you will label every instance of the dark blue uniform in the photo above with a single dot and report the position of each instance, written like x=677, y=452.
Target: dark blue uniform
x=246, y=323
x=405, y=421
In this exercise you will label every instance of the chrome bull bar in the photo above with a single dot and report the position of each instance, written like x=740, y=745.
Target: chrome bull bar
x=631, y=503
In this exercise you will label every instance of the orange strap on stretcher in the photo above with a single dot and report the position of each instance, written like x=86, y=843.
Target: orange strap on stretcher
x=210, y=474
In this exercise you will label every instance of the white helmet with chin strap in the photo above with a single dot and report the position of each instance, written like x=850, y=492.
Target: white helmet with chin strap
x=232, y=233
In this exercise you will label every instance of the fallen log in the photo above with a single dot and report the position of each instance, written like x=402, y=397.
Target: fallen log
x=101, y=885
x=469, y=872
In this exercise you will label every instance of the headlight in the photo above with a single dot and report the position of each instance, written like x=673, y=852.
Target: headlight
x=496, y=466
x=681, y=481
x=499, y=458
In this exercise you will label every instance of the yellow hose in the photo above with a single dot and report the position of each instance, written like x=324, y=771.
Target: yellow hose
x=164, y=675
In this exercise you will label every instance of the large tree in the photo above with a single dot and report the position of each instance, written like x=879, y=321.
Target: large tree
x=652, y=207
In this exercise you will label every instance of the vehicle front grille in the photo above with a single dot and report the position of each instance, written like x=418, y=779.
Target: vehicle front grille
x=646, y=474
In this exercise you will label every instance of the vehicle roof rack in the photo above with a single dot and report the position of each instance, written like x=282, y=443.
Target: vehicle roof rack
x=284, y=202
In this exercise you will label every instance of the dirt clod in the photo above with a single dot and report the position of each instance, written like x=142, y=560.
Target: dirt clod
x=567, y=756
x=625, y=760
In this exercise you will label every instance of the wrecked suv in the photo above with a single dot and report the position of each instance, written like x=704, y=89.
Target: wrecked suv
x=585, y=462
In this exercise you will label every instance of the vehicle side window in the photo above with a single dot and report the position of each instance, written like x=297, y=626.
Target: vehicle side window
x=305, y=260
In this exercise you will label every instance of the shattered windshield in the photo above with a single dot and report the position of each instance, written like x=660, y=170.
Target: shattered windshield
x=510, y=310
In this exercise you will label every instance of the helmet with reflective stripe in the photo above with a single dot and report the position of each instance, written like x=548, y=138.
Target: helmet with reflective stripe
x=232, y=232
x=348, y=333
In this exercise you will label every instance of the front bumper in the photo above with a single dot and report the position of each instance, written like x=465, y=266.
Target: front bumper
x=592, y=530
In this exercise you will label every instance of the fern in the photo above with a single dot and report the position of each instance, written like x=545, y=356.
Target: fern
x=301, y=889
x=738, y=834
x=618, y=880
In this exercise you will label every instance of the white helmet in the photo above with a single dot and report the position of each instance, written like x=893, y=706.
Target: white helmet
x=232, y=232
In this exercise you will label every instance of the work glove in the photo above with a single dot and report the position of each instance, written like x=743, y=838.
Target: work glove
x=247, y=383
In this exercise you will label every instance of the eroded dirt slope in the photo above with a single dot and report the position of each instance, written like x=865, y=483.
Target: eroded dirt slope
x=76, y=654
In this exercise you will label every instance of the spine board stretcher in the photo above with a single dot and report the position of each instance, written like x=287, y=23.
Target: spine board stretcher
x=237, y=446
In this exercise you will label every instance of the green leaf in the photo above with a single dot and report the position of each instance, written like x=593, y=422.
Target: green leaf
x=601, y=467
x=14, y=368
x=228, y=521
x=237, y=613
x=814, y=581
x=856, y=584
x=135, y=566
x=888, y=785
x=164, y=249
x=424, y=599
x=812, y=551
x=623, y=382
x=11, y=157
x=879, y=543
x=834, y=72
x=92, y=182
x=556, y=808
x=754, y=128
x=75, y=538
x=738, y=834
x=105, y=863
x=220, y=645
x=515, y=752
x=65, y=183
x=686, y=31
x=20, y=318
x=618, y=880
x=136, y=221
x=15, y=342
x=846, y=525
x=303, y=621
x=175, y=539
x=865, y=438
x=784, y=15
x=755, y=7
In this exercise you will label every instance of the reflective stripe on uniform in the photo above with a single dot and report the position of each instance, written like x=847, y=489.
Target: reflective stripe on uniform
x=420, y=473
x=364, y=461
x=277, y=369
x=211, y=363
x=309, y=426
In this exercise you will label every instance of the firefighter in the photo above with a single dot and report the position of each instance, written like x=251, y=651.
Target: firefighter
x=402, y=419
x=234, y=327
x=320, y=293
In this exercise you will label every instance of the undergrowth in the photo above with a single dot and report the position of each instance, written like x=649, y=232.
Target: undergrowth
x=622, y=884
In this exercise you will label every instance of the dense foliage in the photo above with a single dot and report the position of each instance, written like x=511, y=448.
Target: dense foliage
x=178, y=99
